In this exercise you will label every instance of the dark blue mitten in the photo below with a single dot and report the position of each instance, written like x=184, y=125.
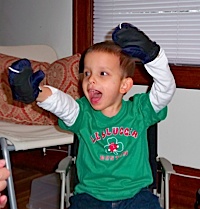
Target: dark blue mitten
x=23, y=82
x=135, y=43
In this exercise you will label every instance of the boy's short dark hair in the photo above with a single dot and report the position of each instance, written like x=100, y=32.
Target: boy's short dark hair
x=127, y=63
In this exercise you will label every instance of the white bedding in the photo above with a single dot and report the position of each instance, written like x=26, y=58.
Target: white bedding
x=25, y=137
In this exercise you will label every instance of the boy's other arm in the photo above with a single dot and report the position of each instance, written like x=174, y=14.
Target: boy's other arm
x=25, y=88
x=137, y=44
x=164, y=86
x=59, y=103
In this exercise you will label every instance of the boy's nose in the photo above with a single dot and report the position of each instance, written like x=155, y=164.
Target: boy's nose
x=91, y=79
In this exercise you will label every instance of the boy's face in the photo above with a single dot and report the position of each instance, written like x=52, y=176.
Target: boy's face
x=103, y=82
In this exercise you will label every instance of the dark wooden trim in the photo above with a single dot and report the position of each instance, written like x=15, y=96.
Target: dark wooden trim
x=183, y=189
x=186, y=77
x=82, y=25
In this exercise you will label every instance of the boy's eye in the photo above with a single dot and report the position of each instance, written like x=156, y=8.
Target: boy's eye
x=104, y=73
x=86, y=73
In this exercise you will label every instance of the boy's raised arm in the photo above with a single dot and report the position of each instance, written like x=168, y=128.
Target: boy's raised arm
x=60, y=104
x=137, y=44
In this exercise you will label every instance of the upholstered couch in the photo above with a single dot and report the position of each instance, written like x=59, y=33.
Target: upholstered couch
x=60, y=73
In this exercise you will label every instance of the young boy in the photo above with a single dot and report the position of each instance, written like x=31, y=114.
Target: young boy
x=112, y=163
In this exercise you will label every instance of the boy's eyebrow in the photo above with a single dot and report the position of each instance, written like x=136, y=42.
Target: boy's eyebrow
x=85, y=67
x=100, y=68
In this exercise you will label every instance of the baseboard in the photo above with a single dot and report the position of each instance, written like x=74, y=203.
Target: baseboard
x=183, y=189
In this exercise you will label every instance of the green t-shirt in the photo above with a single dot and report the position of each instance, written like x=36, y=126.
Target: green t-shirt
x=112, y=161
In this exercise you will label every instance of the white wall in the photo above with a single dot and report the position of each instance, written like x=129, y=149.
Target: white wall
x=37, y=22
x=179, y=133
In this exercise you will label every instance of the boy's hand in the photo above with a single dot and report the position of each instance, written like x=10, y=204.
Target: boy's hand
x=135, y=43
x=23, y=82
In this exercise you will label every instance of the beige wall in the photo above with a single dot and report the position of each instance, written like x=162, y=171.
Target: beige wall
x=179, y=133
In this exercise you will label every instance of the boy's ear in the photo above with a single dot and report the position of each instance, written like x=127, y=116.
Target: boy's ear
x=126, y=85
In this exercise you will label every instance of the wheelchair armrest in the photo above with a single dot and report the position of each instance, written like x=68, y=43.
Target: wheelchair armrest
x=166, y=166
x=64, y=165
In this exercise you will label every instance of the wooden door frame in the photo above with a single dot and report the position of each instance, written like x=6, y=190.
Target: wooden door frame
x=82, y=25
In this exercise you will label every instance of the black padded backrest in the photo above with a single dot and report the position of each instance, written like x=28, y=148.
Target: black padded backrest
x=152, y=142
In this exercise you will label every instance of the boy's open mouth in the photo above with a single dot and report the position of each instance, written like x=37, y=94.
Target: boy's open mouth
x=94, y=96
